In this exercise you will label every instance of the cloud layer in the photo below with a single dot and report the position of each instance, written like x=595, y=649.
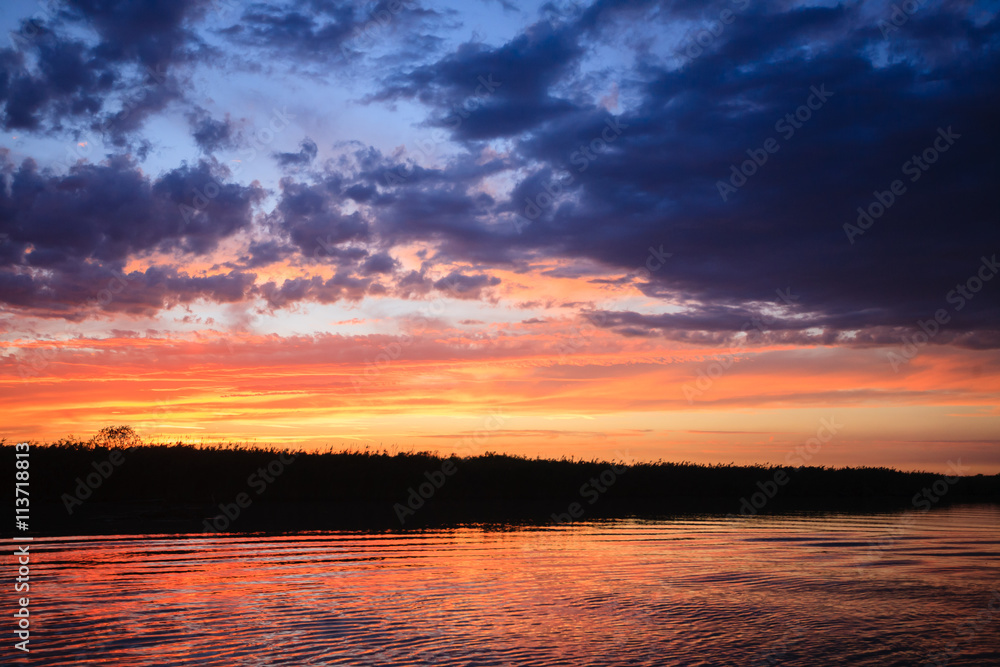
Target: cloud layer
x=597, y=183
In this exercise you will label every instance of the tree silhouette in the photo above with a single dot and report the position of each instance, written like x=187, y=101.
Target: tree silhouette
x=116, y=437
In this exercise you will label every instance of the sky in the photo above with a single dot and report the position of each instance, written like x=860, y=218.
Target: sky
x=735, y=231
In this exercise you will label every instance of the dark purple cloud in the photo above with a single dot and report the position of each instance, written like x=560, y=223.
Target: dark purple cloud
x=211, y=134
x=463, y=286
x=331, y=31
x=342, y=286
x=312, y=218
x=306, y=154
x=608, y=186
x=63, y=235
x=483, y=93
x=820, y=109
x=379, y=263
x=50, y=77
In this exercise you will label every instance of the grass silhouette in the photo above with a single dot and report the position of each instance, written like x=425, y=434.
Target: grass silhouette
x=174, y=487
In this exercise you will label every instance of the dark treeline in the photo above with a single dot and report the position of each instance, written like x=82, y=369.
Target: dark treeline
x=80, y=487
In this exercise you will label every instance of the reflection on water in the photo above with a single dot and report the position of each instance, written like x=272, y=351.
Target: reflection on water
x=793, y=590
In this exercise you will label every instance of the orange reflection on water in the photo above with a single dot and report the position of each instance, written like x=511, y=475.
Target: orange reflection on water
x=716, y=590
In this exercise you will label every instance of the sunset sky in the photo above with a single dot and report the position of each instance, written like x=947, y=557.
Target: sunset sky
x=697, y=231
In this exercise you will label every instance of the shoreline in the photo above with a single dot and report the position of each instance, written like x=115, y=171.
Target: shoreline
x=188, y=519
x=79, y=489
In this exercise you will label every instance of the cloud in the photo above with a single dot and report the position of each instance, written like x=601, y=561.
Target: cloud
x=75, y=292
x=484, y=93
x=54, y=80
x=609, y=187
x=264, y=253
x=210, y=134
x=737, y=328
x=295, y=30
x=379, y=263
x=151, y=33
x=340, y=287
x=463, y=286
x=66, y=234
x=328, y=31
x=542, y=167
x=66, y=81
x=306, y=154
x=312, y=217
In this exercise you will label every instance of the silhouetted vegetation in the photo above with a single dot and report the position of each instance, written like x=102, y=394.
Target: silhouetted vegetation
x=164, y=488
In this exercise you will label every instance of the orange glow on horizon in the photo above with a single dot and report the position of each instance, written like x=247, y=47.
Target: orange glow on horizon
x=602, y=394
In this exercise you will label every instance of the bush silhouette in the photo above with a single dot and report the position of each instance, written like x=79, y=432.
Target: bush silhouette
x=116, y=437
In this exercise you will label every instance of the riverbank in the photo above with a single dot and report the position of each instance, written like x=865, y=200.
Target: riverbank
x=78, y=489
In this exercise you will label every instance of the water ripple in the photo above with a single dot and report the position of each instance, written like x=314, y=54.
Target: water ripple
x=890, y=589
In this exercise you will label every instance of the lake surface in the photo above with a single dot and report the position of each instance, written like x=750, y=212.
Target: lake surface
x=791, y=590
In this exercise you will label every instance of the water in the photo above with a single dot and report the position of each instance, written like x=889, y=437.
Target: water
x=692, y=591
